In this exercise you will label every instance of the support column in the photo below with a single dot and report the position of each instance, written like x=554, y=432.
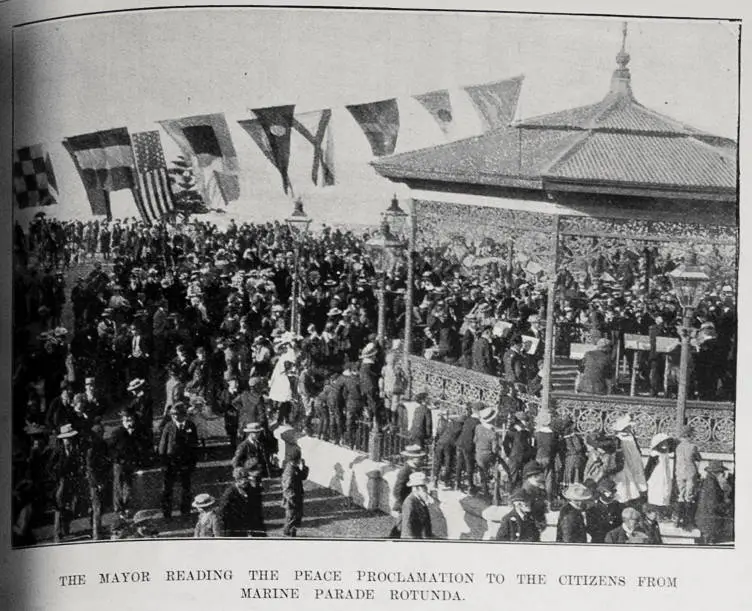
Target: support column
x=681, y=395
x=295, y=284
x=381, y=325
x=550, y=304
x=409, y=289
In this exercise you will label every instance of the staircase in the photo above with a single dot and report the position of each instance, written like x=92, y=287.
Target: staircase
x=563, y=374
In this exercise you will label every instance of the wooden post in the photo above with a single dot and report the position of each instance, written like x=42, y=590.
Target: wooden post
x=633, y=383
x=381, y=325
x=618, y=363
x=550, y=304
x=410, y=288
x=665, y=376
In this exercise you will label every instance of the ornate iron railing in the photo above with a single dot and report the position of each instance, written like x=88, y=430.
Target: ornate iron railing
x=452, y=387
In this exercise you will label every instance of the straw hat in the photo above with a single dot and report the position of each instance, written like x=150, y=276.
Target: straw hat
x=413, y=451
x=488, y=415
x=578, y=492
x=658, y=439
x=203, y=501
x=135, y=384
x=253, y=427
x=67, y=431
x=417, y=479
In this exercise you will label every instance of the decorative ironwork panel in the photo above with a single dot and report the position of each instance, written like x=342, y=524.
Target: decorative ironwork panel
x=655, y=231
x=453, y=387
x=475, y=235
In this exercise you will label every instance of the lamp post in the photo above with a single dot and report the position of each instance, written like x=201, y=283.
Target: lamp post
x=689, y=282
x=384, y=249
x=298, y=223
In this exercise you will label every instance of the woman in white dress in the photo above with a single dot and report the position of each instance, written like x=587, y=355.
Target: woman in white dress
x=280, y=386
x=630, y=481
x=659, y=472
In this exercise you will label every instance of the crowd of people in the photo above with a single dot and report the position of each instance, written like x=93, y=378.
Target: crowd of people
x=180, y=324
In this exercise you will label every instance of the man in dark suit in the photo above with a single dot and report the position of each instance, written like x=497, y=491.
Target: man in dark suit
x=416, y=518
x=177, y=449
x=630, y=518
x=241, y=504
x=421, y=427
x=125, y=452
x=572, y=527
x=713, y=507
x=482, y=354
x=252, y=450
x=519, y=525
x=465, y=457
x=445, y=449
x=604, y=515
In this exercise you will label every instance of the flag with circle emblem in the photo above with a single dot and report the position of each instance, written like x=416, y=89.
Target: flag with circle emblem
x=271, y=131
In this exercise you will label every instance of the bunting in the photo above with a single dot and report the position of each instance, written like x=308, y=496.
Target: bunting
x=439, y=105
x=380, y=123
x=34, y=181
x=104, y=161
x=316, y=128
x=496, y=102
x=274, y=137
x=206, y=140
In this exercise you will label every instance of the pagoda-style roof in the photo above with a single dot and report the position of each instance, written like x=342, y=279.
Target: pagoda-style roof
x=615, y=146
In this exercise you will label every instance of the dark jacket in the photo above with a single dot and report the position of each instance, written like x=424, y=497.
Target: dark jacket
x=416, y=519
x=514, y=527
x=482, y=357
x=178, y=446
x=292, y=485
x=571, y=526
x=602, y=518
x=466, y=439
x=242, y=514
x=401, y=489
x=126, y=448
x=421, y=428
x=712, y=511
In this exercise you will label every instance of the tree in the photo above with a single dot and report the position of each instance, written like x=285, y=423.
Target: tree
x=185, y=193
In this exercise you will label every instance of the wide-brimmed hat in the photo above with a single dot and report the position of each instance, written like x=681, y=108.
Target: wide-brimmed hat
x=334, y=312
x=716, y=466
x=135, y=384
x=488, y=415
x=67, y=431
x=413, y=451
x=577, y=492
x=622, y=422
x=253, y=427
x=417, y=479
x=203, y=500
x=658, y=439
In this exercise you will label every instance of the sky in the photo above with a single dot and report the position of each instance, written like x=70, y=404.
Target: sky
x=84, y=74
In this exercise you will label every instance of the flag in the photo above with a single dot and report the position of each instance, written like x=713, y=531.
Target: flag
x=206, y=140
x=380, y=123
x=440, y=107
x=154, y=194
x=32, y=177
x=104, y=161
x=315, y=127
x=274, y=137
x=496, y=102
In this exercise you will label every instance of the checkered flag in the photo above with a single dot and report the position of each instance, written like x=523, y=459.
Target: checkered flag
x=33, y=178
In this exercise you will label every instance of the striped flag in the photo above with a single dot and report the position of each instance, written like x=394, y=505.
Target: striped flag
x=154, y=195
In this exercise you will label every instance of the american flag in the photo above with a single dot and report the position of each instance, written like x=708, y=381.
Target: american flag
x=154, y=197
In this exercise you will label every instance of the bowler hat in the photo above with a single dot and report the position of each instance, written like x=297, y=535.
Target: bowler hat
x=253, y=427
x=530, y=469
x=413, y=451
x=519, y=496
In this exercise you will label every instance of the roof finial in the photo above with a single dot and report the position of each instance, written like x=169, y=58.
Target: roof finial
x=622, y=58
